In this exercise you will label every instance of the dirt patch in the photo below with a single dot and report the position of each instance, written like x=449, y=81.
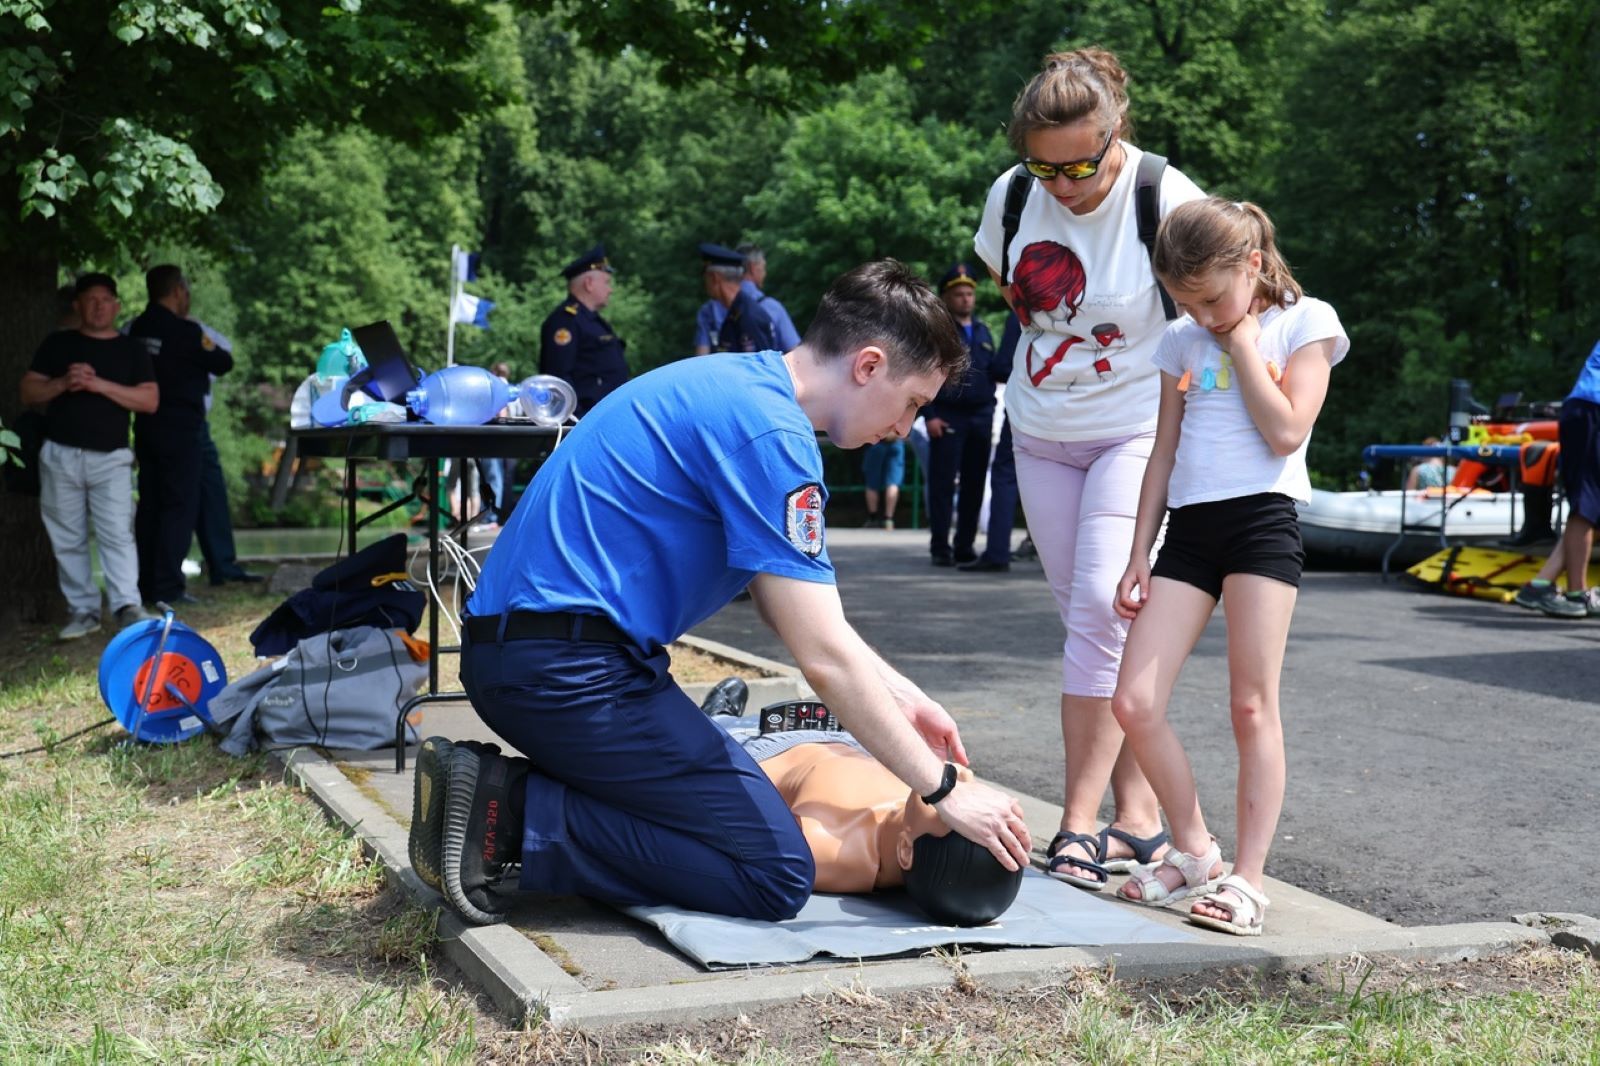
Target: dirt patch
x=692, y=666
x=968, y=1022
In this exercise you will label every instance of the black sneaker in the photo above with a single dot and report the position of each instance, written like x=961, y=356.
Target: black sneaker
x=427, y=810
x=482, y=838
x=727, y=696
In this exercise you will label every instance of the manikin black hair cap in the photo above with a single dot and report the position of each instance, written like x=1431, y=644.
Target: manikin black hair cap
x=957, y=882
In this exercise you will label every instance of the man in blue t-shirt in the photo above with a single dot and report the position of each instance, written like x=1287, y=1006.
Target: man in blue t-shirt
x=698, y=479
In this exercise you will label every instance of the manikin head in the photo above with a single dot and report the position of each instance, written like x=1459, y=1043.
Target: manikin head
x=953, y=880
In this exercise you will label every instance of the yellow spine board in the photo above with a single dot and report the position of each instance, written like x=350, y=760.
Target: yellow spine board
x=1483, y=573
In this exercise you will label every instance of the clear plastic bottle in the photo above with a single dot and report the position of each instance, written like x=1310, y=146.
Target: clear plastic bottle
x=546, y=399
x=459, y=396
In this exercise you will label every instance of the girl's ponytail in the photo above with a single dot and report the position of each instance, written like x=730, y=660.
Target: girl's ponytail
x=1212, y=234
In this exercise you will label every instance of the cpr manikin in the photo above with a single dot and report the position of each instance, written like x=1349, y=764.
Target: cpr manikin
x=867, y=832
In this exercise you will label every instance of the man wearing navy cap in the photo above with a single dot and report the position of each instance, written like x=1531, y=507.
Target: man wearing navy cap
x=575, y=343
x=748, y=325
x=702, y=478
x=960, y=425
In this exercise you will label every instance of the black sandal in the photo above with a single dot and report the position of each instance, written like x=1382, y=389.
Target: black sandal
x=1055, y=861
x=1144, y=849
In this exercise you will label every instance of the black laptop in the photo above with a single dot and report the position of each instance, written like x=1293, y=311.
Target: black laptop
x=390, y=373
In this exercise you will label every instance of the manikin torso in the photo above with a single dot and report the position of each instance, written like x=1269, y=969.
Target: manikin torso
x=851, y=809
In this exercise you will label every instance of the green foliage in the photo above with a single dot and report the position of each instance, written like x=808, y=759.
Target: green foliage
x=119, y=128
x=1443, y=200
x=885, y=184
x=1206, y=80
x=821, y=44
x=348, y=229
x=1431, y=168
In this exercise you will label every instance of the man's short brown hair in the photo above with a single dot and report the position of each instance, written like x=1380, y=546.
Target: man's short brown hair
x=884, y=303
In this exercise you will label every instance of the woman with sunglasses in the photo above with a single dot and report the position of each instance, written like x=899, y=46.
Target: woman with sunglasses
x=1082, y=403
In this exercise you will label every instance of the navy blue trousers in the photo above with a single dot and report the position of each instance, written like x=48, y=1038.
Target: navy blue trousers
x=1002, y=498
x=635, y=797
x=963, y=448
x=169, y=505
x=214, y=525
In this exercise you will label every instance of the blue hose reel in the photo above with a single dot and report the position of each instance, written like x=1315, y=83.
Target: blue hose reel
x=157, y=677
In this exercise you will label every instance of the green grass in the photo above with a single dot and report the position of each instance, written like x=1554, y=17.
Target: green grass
x=172, y=904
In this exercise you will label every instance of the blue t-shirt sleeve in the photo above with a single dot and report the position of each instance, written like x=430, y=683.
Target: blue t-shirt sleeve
x=771, y=499
x=783, y=331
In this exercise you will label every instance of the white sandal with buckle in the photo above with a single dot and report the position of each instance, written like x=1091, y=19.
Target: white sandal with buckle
x=1247, y=908
x=1195, y=869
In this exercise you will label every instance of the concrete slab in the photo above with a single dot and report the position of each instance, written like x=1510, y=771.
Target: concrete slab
x=578, y=963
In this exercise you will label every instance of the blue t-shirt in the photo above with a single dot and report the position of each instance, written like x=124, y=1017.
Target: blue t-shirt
x=666, y=500
x=708, y=323
x=1588, y=386
x=784, y=336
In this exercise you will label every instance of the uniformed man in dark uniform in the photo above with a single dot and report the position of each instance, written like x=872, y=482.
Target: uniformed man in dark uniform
x=960, y=424
x=165, y=442
x=575, y=343
x=1002, y=468
x=748, y=326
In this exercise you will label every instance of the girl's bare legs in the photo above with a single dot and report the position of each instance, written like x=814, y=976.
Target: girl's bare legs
x=1161, y=638
x=1258, y=610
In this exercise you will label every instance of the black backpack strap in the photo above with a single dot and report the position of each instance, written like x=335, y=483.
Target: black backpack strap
x=1016, y=199
x=1147, y=205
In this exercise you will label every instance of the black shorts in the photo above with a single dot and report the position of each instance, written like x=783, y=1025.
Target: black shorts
x=1579, y=431
x=1249, y=535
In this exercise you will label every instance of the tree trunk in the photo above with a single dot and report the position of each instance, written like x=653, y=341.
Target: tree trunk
x=27, y=315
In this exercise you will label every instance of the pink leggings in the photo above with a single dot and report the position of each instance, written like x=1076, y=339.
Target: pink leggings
x=1081, y=498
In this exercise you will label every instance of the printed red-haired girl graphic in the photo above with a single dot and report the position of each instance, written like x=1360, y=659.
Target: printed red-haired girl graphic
x=1046, y=289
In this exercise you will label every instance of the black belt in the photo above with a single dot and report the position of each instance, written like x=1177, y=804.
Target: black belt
x=546, y=625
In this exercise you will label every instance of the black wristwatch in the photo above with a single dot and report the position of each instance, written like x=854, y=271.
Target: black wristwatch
x=945, y=785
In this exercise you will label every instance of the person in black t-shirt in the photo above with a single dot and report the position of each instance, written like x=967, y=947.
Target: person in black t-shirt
x=90, y=378
x=165, y=440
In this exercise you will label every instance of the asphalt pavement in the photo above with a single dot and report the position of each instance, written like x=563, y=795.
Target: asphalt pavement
x=1443, y=752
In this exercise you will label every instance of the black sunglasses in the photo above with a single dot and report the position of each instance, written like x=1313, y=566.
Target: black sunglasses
x=1077, y=171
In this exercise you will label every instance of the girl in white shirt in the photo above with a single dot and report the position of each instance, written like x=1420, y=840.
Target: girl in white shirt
x=1243, y=377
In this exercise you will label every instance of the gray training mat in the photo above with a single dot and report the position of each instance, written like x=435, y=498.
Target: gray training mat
x=1047, y=913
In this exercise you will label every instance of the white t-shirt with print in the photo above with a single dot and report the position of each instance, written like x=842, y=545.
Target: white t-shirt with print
x=1092, y=311
x=1221, y=453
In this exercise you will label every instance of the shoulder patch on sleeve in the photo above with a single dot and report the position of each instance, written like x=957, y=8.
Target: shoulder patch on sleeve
x=207, y=343
x=562, y=336
x=803, y=518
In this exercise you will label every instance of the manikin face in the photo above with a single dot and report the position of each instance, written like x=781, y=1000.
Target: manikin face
x=1068, y=144
x=1219, y=299
x=875, y=404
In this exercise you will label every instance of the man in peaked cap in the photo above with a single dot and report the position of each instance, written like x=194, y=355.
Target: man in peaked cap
x=575, y=343
x=960, y=421
x=747, y=326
